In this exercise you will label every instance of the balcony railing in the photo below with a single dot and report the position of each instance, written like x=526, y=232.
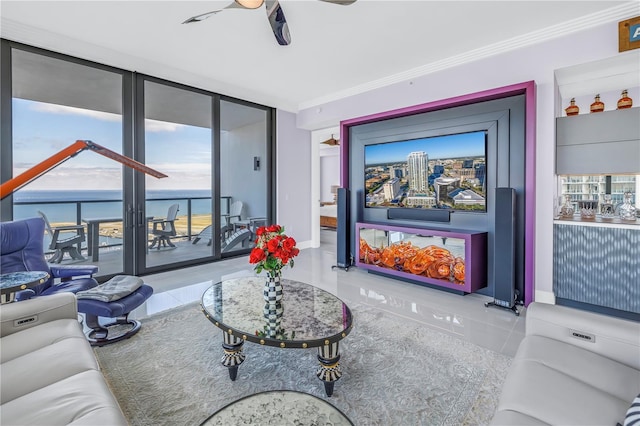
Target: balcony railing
x=74, y=211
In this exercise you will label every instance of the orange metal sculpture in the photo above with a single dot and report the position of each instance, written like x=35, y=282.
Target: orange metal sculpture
x=12, y=185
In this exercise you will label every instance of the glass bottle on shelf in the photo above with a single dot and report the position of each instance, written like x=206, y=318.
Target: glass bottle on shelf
x=597, y=105
x=627, y=210
x=566, y=211
x=625, y=101
x=607, y=209
x=572, y=109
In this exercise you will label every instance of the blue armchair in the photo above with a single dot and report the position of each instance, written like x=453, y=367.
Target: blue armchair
x=21, y=249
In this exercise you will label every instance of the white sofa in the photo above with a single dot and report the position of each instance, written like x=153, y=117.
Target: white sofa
x=48, y=371
x=572, y=368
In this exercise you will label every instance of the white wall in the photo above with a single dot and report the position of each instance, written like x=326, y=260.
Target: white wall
x=293, y=178
x=237, y=177
x=534, y=62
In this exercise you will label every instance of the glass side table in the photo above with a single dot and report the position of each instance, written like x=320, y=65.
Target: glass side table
x=16, y=281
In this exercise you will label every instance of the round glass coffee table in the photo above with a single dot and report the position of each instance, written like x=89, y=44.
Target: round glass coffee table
x=307, y=317
x=278, y=407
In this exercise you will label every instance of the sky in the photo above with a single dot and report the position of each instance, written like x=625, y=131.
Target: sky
x=41, y=130
x=449, y=146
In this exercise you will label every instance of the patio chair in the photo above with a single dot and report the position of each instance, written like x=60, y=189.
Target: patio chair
x=241, y=236
x=64, y=239
x=252, y=224
x=236, y=211
x=164, y=229
x=206, y=233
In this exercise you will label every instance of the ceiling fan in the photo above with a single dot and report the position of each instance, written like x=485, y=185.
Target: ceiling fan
x=275, y=15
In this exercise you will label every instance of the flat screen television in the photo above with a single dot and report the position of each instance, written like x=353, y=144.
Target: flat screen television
x=441, y=172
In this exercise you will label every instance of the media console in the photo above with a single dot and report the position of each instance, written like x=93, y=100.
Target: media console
x=455, y=259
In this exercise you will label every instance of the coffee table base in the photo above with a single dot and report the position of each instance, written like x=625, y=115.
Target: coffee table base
x=329, y=370
x=328, y=356
x=233, y=354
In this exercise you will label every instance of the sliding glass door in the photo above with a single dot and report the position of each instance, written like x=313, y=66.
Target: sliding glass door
x=177, y=139
x=244, y=173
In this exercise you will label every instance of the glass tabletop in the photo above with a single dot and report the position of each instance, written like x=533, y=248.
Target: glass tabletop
x=310, y=317
x=281, y=407
x=14, y=281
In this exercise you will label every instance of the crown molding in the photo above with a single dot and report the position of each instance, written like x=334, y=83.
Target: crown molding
x=616, y=13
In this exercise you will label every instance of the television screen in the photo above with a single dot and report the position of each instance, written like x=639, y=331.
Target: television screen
x=442, y=172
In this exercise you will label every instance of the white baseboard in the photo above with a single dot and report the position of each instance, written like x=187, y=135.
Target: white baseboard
x=545, y=297
x=304, y=244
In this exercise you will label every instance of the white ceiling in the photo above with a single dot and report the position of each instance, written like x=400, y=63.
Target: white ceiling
x=335, y=49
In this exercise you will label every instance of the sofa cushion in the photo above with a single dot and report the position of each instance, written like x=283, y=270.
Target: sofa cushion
x=17, y=317
x=82, y=399
x=614, y=338
x=594, y=370
x=31, y=339
x=556, y=383
x=45, y=366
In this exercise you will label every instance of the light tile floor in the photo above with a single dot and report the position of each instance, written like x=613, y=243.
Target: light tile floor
x=465, y=317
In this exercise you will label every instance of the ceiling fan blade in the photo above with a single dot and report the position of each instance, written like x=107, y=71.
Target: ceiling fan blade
x=278, y=22
x=341, y=2
x=199, y=18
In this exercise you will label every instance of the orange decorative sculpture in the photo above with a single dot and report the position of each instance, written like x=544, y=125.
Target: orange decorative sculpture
x=431, y=261
x=12, y=185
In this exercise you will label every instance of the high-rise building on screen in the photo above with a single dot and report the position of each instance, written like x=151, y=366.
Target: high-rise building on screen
x=391, y=188
x=418, y=171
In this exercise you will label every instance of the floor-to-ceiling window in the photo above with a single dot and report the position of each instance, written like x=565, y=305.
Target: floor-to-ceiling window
x=54, y=103
x=215, y=151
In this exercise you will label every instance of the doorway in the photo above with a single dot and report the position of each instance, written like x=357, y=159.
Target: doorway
x=325, y=179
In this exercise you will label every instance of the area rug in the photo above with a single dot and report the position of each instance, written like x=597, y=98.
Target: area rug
x=395, y=372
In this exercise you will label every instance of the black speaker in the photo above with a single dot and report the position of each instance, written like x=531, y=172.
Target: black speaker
x=343, y=249
x=504, y=252
x=431, y=215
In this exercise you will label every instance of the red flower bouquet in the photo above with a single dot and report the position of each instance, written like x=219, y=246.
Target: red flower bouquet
x=274, y=250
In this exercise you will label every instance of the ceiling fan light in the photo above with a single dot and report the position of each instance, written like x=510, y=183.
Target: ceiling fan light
x=250, y=4
x=332, y=141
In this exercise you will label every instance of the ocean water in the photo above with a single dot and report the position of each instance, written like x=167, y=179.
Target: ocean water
x=61, y=205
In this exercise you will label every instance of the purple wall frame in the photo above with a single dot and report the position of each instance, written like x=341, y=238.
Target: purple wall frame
x=529, y=90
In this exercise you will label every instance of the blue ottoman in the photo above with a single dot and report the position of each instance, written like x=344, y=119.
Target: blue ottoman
x=114, y=299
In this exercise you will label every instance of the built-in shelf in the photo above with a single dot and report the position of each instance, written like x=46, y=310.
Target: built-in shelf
x=596, y=262
x=601, y=143
x=456, y=260
x=609, y=75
